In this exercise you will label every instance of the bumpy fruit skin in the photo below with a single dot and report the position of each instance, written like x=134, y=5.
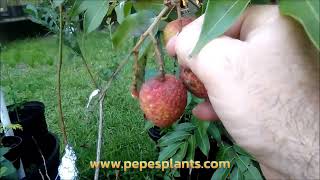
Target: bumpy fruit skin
x=193, y=84
x=174, y=27
x=163, y=102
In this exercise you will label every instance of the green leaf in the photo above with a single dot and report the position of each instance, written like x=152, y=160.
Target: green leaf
x=221, y=174
x=219, y=16
x=189, y=97
x=3, y=171
x=225, y=153
x=235, y=174
x=173, y=137
x=191, y=148
x=240, y=150
x=166, y=177
x=187, y=126
x=305, y=12
x=179, y=156
x=154, y=5
x=201, y=135
x=168, y=151
x=176, y=173
x=123, y=10
x=133, y=25
x=9, y=168
x=253, y=173
x=243, y=162
x=4, y=150
x=214, y=132
x=95, y=12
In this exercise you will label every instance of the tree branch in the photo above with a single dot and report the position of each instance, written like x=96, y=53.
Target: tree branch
x=61, y=120
x=100, y=134
x=94, y=82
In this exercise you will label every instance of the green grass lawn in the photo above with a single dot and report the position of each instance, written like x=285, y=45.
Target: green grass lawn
x=28, y=72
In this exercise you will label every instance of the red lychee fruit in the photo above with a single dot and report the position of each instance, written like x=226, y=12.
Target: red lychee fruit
x=163, y=100
x=193, y=84
x=174, y=27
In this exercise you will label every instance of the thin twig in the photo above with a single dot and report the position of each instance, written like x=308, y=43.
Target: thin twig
x=195, y=4
x=178, y=9
x=151, y=27
x=43, y=159
x=120, y=66
x=61, y=120
x=159, y=57
x=100, y=134
x=94, y=82
x=42, y=177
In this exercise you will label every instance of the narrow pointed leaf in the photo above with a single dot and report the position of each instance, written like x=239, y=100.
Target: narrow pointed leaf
x=219, y=16
x=253, y=173
x=187, y=126
x=173, y=137
x=179, y=156
x=242, y=163
x=214, y=132
x=95, y=12
x=191, y=148
x=305, y=12
x=235, y=174
x=168, y=151
x=221, y=174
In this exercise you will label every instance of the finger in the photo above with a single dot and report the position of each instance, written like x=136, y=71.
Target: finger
x=188, y=38
x=205, y=111
x=170, y=47
x=233, y=31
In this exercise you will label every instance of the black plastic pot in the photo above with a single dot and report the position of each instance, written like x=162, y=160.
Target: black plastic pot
x=32, y=160
x=154, y=134
x=15, y=11
x=30, y=115
x=15, y=145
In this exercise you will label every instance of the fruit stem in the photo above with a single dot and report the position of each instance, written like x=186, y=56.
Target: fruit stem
x=178, y=12
x=195, y=4
x=134, y=86
x=159, y=56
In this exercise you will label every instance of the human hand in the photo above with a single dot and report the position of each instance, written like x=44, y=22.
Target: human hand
x=262, y=78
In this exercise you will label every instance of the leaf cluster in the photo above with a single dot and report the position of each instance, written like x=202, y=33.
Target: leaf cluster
x=181, y=141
